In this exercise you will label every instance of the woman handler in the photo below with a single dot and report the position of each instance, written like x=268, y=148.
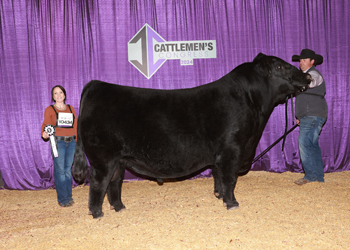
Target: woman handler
x=64, y=119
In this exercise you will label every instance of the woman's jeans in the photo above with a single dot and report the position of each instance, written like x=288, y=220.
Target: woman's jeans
x=63, y=171
x=310, y=153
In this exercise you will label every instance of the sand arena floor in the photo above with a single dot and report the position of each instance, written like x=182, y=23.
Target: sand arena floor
x=274, y=213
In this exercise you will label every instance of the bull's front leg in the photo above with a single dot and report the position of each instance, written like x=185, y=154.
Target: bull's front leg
x=229, y=167
x=229, y=184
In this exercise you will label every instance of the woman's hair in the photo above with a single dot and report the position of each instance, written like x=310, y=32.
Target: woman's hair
x=63, y=90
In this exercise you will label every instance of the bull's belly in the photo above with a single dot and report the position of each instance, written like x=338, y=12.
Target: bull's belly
x=165, y=170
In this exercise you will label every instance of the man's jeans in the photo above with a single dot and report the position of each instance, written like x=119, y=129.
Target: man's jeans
x=310, y=152
x=63, y=170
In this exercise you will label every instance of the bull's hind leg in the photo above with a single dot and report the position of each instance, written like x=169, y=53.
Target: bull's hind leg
x=115, y=188
x=98, y=186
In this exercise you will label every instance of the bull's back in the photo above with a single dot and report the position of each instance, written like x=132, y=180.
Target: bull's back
x=161, y=129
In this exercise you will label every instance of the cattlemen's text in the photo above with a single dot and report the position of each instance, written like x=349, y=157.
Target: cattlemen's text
x=171, y=47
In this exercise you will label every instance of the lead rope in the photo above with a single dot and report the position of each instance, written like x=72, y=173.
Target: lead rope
x=291, y=100
x=283, y=136
x=286, y=127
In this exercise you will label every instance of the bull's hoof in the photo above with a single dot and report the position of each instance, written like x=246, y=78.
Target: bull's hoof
x=117, y=209
x=97, y=215
x=232, y=205
x=232, y=208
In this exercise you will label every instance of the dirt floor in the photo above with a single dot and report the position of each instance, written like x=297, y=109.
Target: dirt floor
x=274, y=213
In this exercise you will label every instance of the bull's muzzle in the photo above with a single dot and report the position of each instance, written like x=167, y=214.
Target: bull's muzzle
x=309, y=77
x=303, y=89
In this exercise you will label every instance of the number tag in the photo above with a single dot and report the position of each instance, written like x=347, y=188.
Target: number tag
x=65, y=120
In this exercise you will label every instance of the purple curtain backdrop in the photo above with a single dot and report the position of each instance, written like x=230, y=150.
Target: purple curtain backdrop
x=67, y=42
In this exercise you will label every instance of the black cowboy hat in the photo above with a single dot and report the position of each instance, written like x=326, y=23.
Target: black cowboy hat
x=308, y=53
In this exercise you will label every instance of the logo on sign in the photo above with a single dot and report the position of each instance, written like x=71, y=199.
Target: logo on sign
x=148, y=51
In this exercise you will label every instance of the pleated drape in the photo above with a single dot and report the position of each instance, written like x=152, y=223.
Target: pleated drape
x=70, y=42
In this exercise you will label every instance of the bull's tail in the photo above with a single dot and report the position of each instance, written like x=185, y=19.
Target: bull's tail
x=80, y=168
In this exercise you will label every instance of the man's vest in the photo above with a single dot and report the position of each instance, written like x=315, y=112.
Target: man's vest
x=312, y=102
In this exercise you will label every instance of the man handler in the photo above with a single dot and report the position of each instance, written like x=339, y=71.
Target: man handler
x=311, y=111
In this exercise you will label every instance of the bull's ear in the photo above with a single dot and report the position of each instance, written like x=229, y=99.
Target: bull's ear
x=261, y=64
x=259, y=56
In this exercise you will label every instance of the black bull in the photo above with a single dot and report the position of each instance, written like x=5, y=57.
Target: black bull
x=175, y=133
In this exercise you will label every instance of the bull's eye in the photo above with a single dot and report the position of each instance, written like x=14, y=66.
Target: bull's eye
x=278, y=67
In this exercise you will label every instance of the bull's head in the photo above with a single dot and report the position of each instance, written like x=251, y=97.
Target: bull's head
x=284, y=78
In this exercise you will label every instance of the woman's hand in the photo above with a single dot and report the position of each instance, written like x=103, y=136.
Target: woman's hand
x=45, y=135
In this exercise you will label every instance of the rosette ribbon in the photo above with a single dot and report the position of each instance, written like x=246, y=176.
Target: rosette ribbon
x=51, y=131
